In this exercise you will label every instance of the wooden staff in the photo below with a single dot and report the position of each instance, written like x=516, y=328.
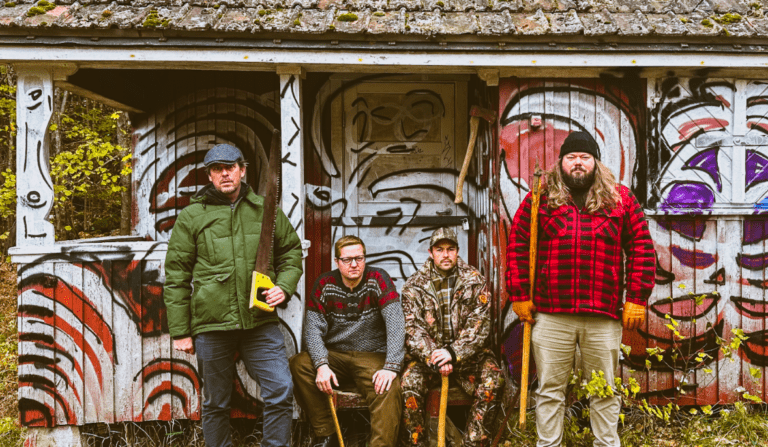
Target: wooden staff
x=335, y=420
x=532, y=278
x=443, y=409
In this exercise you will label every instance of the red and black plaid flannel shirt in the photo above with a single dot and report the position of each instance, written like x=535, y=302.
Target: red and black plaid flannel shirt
x=581, y=258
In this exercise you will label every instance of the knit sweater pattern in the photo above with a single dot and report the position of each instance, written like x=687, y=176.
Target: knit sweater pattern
x=368, y=318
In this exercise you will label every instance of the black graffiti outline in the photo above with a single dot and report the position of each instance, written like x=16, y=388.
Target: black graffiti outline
x=43, y=278
x=27, y=234
x=660, y=153
x=323, y=108
x=40, y=166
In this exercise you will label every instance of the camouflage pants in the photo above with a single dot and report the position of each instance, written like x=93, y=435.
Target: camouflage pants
x=481, y=378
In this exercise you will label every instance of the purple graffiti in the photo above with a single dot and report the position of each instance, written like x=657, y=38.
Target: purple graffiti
x=690, y=197
x=756, y=168
x=707, y=161
x=693, y=258
x=752, y=262
x=755, y=230
x=692, y=229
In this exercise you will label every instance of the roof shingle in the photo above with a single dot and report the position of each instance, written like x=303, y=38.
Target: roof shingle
x=590, y=18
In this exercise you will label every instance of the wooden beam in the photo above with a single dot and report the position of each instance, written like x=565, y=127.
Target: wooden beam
x=291, y=123
x=85, y=93
x=351, y=60
x=34, y=187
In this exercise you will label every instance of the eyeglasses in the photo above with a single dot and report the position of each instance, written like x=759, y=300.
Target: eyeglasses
x=348, y=261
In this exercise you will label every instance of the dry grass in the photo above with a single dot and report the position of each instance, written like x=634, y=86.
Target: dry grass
x=10, y=432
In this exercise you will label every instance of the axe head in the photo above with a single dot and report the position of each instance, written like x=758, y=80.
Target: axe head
x=486, y=114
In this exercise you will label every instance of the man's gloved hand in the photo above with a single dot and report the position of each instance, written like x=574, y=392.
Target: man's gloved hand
x=524, y=310
x=634, y=316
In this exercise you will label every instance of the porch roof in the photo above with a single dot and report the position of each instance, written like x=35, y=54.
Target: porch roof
x=667, y=20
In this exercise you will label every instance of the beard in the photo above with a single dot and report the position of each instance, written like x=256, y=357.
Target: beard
x=578, y=180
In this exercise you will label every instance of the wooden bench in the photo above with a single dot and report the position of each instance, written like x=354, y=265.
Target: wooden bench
x=349, y=399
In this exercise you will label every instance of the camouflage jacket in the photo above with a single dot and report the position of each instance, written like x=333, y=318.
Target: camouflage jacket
x=470, y=314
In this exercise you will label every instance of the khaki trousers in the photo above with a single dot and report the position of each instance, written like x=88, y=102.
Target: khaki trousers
x=355, y=368
x=554, y=340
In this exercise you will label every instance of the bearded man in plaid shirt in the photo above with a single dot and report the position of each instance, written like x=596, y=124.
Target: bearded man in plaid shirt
x=594, y=248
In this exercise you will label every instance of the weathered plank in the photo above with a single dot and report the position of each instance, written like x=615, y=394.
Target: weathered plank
x=34, y=187
x=67, y=284
x=37, y=348
x=292, y=200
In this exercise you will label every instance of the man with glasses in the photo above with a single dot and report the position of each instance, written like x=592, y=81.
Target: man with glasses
x=447, y=322
x=354, y=334
x=208, y=268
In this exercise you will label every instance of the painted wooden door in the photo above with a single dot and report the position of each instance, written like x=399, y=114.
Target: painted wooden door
x=536, y=115
x=707, y=157
x=397, y=144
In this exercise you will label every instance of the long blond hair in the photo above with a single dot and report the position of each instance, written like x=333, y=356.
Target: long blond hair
x=603, y=194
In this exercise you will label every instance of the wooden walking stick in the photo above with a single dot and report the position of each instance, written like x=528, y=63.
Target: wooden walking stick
x=335, y=420
x=532, y=278
x=441, y=415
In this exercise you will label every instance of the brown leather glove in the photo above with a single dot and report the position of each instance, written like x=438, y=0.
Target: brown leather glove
x=634, y=316
x=524, y=310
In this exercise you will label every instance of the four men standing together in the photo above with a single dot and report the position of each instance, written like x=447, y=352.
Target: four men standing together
x=359, y=330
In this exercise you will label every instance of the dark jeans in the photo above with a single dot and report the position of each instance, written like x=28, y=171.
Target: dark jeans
x=263, y=352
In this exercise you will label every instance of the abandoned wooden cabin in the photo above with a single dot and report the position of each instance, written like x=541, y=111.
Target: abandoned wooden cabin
x=373, y=98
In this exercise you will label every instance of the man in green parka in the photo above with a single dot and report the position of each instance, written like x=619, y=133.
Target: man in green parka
x=211, y=256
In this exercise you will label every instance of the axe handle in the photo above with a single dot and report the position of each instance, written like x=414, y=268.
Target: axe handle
x=524, y=373
x=532, y=278
x=335, y=420
x=474, y=122
x=443, y=409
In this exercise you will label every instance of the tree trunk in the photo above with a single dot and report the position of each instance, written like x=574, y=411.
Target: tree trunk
x=124, y=131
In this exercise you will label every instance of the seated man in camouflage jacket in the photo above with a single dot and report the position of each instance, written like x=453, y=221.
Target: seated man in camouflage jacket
x=447, y=322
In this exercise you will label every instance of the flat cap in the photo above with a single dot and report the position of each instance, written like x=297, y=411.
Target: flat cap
x=223, y=153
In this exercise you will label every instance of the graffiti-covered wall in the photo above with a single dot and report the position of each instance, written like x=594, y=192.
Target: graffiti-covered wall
x=708, y=154
x=94, y=343
x=382, y=155
x=696, y=157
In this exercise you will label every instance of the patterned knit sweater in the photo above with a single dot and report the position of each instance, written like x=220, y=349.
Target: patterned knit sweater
x=368, y=318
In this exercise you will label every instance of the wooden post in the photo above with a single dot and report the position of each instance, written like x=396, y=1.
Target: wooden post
x=291, y=122
x=34, y=187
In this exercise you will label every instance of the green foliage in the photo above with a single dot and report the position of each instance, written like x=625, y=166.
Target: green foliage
x=90, y=166
x=8, y=194
x=87, y=164
x=11, y=434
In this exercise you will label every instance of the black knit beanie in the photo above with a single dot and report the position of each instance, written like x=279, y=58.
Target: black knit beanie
x=580, y=142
